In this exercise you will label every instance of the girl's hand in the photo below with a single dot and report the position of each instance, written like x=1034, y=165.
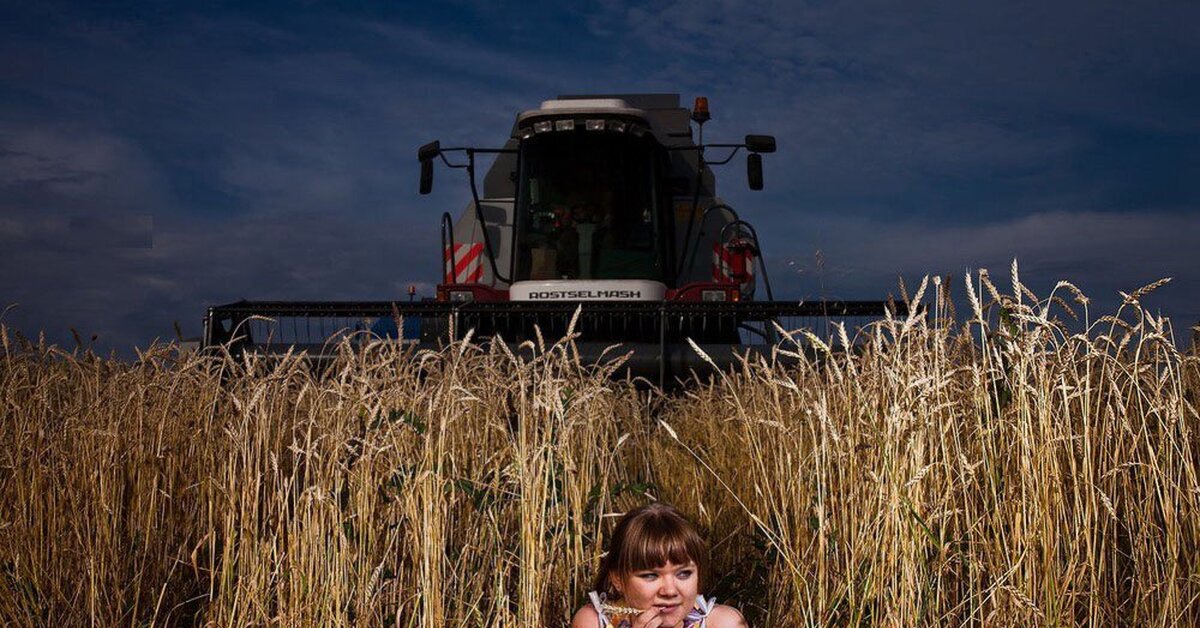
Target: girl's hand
x=649, y=619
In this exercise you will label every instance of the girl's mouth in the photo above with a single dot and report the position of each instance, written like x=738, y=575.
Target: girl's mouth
x=666, y=610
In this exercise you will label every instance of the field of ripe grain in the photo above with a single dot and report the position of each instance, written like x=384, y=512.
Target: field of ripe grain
x=1006, y=471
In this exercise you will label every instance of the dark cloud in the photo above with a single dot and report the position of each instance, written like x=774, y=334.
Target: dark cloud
x=904, y=105
x=132, y=294
x=841, y=256
x=153, y=162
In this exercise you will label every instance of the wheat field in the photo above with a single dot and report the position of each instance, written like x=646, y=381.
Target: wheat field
x=1025, y=463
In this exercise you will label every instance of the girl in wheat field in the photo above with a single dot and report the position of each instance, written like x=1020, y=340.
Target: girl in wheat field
x=651, y=577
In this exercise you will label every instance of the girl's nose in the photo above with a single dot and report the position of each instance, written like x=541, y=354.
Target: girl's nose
x=668, y=587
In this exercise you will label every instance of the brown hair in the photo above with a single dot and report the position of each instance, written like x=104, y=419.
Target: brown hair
x=650, y=537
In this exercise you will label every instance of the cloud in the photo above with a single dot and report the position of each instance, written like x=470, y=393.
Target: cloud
x=70, y=168
x=1015, y=48
x=130, y=295
x=907, y=101
x=284, y=173
x=1101, y=252
x=269, y=156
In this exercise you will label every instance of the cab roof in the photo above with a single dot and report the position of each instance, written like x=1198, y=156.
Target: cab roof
x=599, y=107
x=661, y=113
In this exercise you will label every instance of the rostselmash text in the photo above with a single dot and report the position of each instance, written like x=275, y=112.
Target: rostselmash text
x=586, y=294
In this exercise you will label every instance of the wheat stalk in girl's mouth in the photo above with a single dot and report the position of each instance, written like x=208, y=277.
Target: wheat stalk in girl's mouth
x=613, y=609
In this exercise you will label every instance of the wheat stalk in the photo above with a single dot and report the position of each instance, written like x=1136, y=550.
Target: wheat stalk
x=615, y=610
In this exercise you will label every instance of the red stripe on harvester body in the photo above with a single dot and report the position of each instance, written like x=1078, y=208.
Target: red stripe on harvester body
x=467, y=258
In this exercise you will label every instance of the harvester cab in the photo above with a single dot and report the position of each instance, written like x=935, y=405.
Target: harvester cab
x=599, y=215
x=600, y=198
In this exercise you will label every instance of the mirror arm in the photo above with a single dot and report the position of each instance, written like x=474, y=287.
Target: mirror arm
x=728, y=157
x=701, y=147
x=426, y=185
x=487, y=241
x=469, y=151
x=447, y=235
x=448, y=164
x=701, y=162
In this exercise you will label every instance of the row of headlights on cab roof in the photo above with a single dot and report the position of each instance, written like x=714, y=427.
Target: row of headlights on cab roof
x=700, y=114
x=618, y=126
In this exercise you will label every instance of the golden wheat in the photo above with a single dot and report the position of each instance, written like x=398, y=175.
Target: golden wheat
x=1015, y=470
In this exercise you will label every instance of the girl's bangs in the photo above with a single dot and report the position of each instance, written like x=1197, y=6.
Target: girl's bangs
x=652, y=546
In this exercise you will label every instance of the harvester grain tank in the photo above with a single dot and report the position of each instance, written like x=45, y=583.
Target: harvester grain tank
x=605, y=204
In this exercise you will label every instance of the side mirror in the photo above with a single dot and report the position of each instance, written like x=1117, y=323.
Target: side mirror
x=426, y=154
x=760, y=143
x=426, y=176
x=754, y=171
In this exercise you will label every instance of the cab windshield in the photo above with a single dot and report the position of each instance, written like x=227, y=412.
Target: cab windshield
x=587, y=207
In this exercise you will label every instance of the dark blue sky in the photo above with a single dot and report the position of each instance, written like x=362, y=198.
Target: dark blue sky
x=157, y=158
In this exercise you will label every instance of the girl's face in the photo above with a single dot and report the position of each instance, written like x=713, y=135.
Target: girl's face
x=670, y=589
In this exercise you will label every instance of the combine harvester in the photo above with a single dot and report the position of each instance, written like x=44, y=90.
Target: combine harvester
x=603, y=204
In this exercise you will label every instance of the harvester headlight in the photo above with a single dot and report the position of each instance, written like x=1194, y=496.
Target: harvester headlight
x=564, y=125
x=616, y=125
x=526, y=133
x=595, y=125
x=637, y=130
x=461, y=296
x=712, y=295
x=543, y=126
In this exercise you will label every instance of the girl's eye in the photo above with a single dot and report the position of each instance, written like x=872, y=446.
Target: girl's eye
x=685, y=574
x=648, y=575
